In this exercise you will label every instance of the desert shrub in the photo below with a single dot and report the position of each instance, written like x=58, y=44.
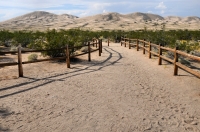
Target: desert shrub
x=1, y=43
x=13, y=48
x=56, y=39
x=187, y=46
x=32, y=57
x=84, y=49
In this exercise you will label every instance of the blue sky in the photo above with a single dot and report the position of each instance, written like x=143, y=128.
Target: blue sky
x=81, y=8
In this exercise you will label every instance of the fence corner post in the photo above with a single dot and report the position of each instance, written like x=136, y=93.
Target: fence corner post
x=89, y=52
x=67, y=56
x=159, y=55
x=137, y=45
x=20, y=68
x=149, y=49
x=175, y=60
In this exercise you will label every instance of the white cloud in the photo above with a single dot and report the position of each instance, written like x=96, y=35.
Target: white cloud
x=94, y=8
x=104, y=11
x=11, y=13
x=162, y=12
x=34, y=4
x=59, y=12
x=13, y=8
x=161, y=6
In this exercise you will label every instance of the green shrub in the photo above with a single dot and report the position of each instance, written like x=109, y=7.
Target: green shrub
x=13, y=48
x=32, y=57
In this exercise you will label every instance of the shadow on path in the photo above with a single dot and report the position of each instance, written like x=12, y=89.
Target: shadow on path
x=4, y=112
x=50, y=79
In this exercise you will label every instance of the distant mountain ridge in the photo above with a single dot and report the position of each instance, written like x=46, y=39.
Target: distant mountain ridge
x=41, y=20
x=145, y=16
x=39, y=15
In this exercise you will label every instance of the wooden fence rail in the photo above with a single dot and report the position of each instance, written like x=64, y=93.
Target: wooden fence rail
x=147, y=46
x=67, y=57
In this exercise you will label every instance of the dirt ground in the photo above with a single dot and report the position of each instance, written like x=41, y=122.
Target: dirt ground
x=122, y=90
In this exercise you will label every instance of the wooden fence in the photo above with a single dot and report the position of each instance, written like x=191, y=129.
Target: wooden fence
x=67, y=49
x=147, y=46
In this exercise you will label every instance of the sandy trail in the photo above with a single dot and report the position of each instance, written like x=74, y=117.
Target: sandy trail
x=122, y=90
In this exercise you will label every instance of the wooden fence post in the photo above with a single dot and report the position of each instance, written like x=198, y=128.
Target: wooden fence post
x=20, y=68
x=67, y=56
x=93, y=42
x=149, y=49
x=96, y=43
x=144, y=47
x=175, y=60
x=89, y=52
x=137, y=45
x=108, y=41
x=99, y=47
x=129, y=45
x=124, y=42
x=121, y=40
x=159, y=55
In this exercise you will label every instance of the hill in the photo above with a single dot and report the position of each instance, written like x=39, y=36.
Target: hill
x=41, y=20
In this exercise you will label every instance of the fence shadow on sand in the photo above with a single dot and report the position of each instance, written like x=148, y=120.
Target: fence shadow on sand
x=62, y=76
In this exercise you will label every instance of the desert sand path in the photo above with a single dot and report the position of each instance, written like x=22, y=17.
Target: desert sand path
x=120, y=91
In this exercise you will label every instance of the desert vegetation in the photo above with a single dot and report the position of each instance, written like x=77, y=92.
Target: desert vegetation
x=186, y=40
x=32, y=57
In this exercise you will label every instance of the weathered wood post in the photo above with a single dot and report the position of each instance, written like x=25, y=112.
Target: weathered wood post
x=129, y=45
x=121, y=40
x=108, y=41
x=67, y=56
x=99, y=47
x=137, y=45
x=159, y=55
x=149, y=49
x=96, y=43
x=89, y=52
x=144, y=46
x=20, y=68
x=93, y=42
x=125, y=42
x=175, y=60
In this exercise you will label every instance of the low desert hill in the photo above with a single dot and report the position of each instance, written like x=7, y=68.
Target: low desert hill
x=38, y=20
x=41, y=20
x=144, y=16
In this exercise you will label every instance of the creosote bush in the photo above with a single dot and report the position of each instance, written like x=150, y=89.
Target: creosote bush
x=32, y=57
x=56, y=39
x=13, y=48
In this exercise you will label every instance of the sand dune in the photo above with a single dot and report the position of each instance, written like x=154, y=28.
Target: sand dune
x=144, y=16
x=191, y=19
x=41, y=20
